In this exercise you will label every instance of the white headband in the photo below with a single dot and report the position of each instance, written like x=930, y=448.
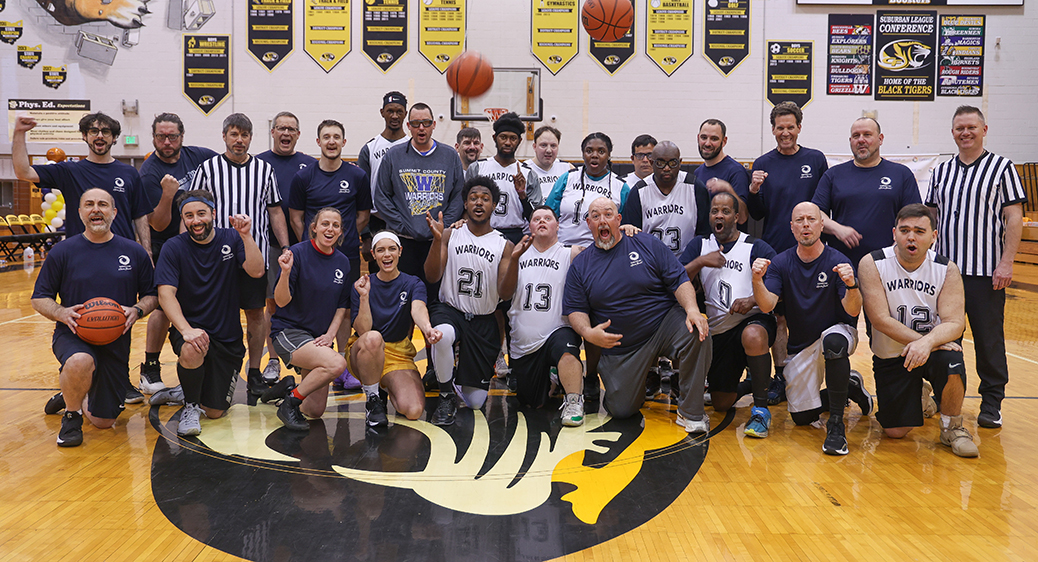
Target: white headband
x=385, y=234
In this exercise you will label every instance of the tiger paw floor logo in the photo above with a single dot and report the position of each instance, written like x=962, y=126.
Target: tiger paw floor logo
x=510, y=483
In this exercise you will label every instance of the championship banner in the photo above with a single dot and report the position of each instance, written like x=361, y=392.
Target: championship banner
x=28, y=56
x=441, y=31
x=668, y=33
x=613, y=55
x=726, y=33
x=961, y=58
x=326, y=31
x=54, y=76
x=850, y=54
x=789, y=72
x=906, y=45
x=207, y=70
x=56, y=120
x=555, y=32
x=384, y=31
x=270, y=31
x=10, y=31
x=918, y=2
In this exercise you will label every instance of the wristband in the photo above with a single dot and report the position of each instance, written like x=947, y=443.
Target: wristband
x=851, y=286
x=140, y=311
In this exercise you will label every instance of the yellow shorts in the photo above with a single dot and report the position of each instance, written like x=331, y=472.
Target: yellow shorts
x=399, y=356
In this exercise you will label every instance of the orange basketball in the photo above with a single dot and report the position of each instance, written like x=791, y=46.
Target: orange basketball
x=607, y=20
x=470, y=75
x=101, y=321
x=56, y=155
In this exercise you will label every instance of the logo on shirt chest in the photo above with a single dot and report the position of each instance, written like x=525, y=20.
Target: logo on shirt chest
x=635, y=259
x=119, y=185
x=403, y=298
x=124, y=263
x=805, y=172
x=823, y=281
x=226, y=251
x=884, y=183
x=338, y=277
x=344, y=186
x=302, y=165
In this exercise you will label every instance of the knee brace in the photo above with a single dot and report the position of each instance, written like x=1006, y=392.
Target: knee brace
x=834, y=346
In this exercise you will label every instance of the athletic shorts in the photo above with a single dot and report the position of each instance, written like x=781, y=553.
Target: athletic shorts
x=899, y=391
x=286, y=342
x=399, y=356
x=729, y=360
x=478, y=341
x=111, y=377
x=532, y=371
x=222, y=364
x=252, y=292
x=805, y=371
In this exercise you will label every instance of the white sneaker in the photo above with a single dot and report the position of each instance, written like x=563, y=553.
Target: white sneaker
x=694, y=426
x=272, y=372
x=189, y=424
x=168, y=397
x=573, y=410
x=501, y=367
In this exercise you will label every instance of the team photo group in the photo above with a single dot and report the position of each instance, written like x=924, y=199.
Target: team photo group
x=579, y=288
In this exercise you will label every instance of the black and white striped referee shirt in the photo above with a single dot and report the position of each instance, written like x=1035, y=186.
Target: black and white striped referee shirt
x=969, y=201
x=246, y=189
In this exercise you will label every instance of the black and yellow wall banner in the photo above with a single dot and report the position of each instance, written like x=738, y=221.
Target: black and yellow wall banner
x=555, y=32
x=28, y=56
x=960, y=70
x=326, y=31
x=613, y=55
x=207, y=70
x=270, y=31
x=789, y=72
x=441, y=31
x=384, y=31
x=849, y=69
x=726, y=33
x=906, y=61
x=668, y=33
x=10, y=31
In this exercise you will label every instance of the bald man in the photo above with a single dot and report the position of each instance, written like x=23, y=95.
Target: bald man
x=822, y=299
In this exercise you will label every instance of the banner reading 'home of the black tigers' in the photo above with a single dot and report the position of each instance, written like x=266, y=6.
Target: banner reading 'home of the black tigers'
x=906, y=47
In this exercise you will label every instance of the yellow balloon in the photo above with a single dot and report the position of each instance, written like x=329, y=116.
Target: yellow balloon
x=50, y=214
x=57, y=205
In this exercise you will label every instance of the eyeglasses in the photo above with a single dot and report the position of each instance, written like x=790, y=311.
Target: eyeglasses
x=169, y=137
x=289, y=130
x=417, y=123
x=641, y=155
x=661, y=163
x=94, y=131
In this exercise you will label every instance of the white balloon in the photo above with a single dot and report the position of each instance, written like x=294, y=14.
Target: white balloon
x=61, y=213
x=45, y=205
x=50, y=197
x=56, y=192
x=57, y=222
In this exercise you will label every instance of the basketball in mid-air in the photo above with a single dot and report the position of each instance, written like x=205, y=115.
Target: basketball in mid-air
x=470, y=75
x=101, y=321
x=56, y=155
x=607, y=20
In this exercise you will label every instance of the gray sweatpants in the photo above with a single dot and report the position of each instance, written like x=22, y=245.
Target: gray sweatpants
x=624, y=374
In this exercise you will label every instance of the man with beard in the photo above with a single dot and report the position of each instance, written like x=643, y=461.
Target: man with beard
x=822, y=313
x=712, y=138
x=99, y=169
x=94, y=378
x=243, y=185
x=471, y=262
x=198, y=279
x=629, y=296
x=469, y=146
x=169, y=169
x=332, y=183
x=864, y=195
x=394, y=109
x=741, y=333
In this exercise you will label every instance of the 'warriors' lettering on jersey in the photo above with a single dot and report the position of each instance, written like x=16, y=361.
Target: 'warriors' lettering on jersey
x=539, y=262
x=425, y=189
x=480, y=251
x=470, y=279
x=536, y=310
x=912, y=285
x=663, y=210
x=911, y=296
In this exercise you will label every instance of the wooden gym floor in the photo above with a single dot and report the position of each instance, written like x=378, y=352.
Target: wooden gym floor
x=778, y=498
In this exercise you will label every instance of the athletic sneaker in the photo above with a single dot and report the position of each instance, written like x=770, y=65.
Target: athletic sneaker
x=279, y=391
x=694, y=426
x=189, y=424
x=445, y=411
x=759, y=424
x=429, y=379
x=255, y=383
x=376, y=412
x=856, y=392
x=989, y=420
x=168, y=397
x=271, y=372
x=929, y=404
x=592, y=389
x=835, y=438
x=55, y=404
x=133, y=396
x=71, y=434
x=289, y=414
x=777, y=390
x=573, y=410
x=151, y=377
x=709, y=400
x=959, y=439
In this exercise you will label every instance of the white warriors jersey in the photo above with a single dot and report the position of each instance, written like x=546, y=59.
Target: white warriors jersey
x=578, y=195
x=724, y=285
x=377, y=149
x=550, y=176
x=671, y=218
x=537, y=305
x=911, y=296
x=469, y=283
x=509, y=210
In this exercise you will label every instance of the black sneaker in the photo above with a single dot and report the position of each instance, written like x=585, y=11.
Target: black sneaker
x=151, y=377
x=289, y=414
x=255, y=383
x=835, y=439
x=71, y=434
x=376, y=412
x=856, y=392
x=513, y=382
x=652, y=383
x=989, y=420
x=55, y=404
x=280, y=390
x=429, y=381
x=446, y=410
x=592, y=389
x=777, y=390
x=133, y=396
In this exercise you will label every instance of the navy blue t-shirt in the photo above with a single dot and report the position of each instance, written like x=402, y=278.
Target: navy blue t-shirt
x=347, y=189
x=730, y=171
x=153, y=170
x=791, y=180
x=812, y=293
x=206, y=278
x=121, y=180
x=390, y=304
x=285, y=168
x=867, y=200
x=77, y=270
x=319, y=285
x=632, y=285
